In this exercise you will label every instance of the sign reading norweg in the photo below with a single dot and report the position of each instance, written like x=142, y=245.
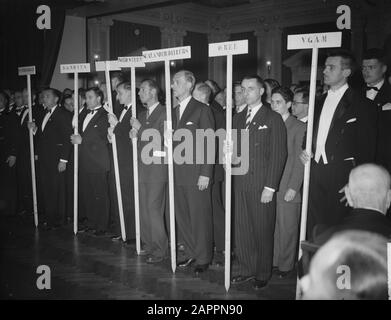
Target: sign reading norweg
x=24, y=71
x=133, y=61
x=71, y=68
x=111, y=65
x=315, y=40
x=176, y=53
x=228, y=48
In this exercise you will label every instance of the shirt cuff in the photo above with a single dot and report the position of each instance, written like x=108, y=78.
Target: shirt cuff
x=271, y=189
x=63, y=160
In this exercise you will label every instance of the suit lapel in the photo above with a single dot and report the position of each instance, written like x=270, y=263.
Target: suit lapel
x=154, y=115
x=317, y=113
x=343, y=105
x=186, y=113
x=259, y=119
x=381, y=97
x=93, y=120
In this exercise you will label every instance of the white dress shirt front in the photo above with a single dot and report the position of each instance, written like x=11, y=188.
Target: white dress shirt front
x=371, y=94
x=124, y=112
x=89, y=117
x=182, y=106
x=47, y=117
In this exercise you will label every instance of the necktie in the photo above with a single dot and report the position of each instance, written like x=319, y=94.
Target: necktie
x=147, y=113
x=248, y=121
x=371, y=88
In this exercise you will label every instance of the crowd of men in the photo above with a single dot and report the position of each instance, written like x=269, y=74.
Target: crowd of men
x=351, y=127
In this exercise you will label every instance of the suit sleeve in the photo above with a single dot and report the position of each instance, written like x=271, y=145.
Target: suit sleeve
x=66, y=132
x=297, y=175
x=367, y=131
x=207, y=121
x=278, y=152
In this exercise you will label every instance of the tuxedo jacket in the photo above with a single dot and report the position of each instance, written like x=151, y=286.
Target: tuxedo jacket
x=267, y=150
x=8, y=135
x=94, y=149
x=292, y=177
x=383, y=149
x=152, y=148
x=196, y=116
x=124, y=143
x=219, y=116
x=352, y=132
x=54, y=143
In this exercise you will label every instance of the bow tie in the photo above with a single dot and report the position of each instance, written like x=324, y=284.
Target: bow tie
x=372, y=88
x=48, y=111
x=92, y=111
x=127, y=107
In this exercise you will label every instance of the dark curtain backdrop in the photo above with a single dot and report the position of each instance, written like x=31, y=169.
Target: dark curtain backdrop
x=198, y=63
x=247, y=63
x=22, y=43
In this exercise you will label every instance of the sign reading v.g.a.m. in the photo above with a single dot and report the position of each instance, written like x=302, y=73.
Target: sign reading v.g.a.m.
x=315, y=40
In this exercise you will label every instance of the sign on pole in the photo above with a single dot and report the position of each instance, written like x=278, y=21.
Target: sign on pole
x=312, y=41
x=167, y=55
x=75, y=69
x=133, y=63
x=108, y=66
x=228, y=49
x=28, y=71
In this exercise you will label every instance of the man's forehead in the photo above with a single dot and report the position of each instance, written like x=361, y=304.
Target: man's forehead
x=370, y=62
x=249, y=83
x=333, y=61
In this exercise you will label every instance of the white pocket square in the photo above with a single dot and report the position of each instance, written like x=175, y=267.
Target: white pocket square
x=189, y=123
x=386, y=107
x=351, y=120
x=262, y=127
x=95, y=126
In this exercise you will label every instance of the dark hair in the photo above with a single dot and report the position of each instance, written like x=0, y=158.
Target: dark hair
x=55, y=92
x=305, y=91
x=285, y=92
x=82, y=92
x=6, y=97
x=152, y=84
x=259, y=80
x=119, y=75
x=272, y=83
x=98, y=92
x=65, y=96
x=375, y=53
x=348, y=61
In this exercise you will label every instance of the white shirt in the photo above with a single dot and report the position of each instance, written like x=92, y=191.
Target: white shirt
x=25, y=113
x=326, y=116
x=254, y=111
x=151, y=108
x=182, y=106
x=124, y=112
x=285, y=116
x=89, y=117
x=240, y=108
x=305, y=119
x=47, y=117
x=371, y=94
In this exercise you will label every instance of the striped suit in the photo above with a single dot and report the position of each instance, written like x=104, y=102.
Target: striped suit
x=255, y=221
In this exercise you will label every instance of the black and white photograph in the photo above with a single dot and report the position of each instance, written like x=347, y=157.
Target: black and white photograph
x=197, y=156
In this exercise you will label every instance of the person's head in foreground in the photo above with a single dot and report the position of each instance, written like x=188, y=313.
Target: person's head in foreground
x=352, y=265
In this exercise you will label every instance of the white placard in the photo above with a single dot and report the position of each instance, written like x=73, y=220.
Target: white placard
x=72, y=68
x=113, y=65
x=24, y=71
x=228, y=48
x=130, y=62
x=176, y=53
x=315, y=40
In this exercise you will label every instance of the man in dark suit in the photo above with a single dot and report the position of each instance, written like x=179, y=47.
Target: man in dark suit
x=8, y=155
x=94, y=162
x=121, y=124
x=193, y=205
x=153, y=192
x=53, y=150
x=286, y=232
x=369, y=194
x=344, y=136
x=202, y=93
x=255, y=199
x=379, y=91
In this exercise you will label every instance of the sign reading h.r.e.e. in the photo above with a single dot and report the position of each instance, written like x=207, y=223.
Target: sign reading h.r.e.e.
x=228, y=48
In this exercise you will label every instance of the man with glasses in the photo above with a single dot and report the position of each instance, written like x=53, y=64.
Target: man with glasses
x=300, y=104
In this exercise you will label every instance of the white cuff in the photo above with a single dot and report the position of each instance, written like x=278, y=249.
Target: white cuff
x=271, y=189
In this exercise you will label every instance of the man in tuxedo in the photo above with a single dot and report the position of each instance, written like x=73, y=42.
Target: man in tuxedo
x=8, y=155
x=18, y=107
x=121, y=125
x=379, y=91
x=193, y=205
x=94, y=162
x=153, y=191
x=289, y=194
x=53, y=151
x=369, y=194
x=23, y=165
x=300, y=104
x=344, y=136
x=255, y=191
x=202, y=93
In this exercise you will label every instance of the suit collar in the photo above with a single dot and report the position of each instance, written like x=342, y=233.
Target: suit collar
x=187, y=112
x=94, y=119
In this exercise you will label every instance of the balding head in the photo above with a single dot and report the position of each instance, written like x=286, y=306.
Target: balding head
x=369, y=187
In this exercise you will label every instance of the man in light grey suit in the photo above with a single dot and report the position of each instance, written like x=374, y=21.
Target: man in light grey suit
x=288, y=196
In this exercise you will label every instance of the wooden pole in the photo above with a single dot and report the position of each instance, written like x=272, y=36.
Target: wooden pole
x=32, y=158
x=228, y=177
x=76, y=155
x=115, y=156
x=307, y=167
x=170, y=164
x=135, y=164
